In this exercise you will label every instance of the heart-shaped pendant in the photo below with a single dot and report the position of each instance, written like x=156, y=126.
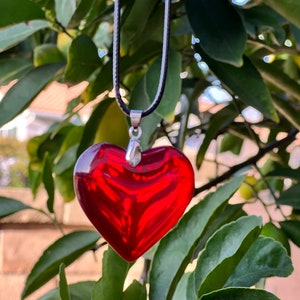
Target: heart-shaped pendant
x=133, y=207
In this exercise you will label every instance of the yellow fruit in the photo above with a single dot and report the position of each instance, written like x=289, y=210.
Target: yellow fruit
x=271, y=230
x=46, y=54
x=246, y=190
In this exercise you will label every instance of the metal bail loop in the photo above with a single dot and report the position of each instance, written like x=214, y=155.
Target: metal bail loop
x=134, y=151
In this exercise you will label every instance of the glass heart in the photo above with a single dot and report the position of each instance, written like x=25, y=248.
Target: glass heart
x=133, y=207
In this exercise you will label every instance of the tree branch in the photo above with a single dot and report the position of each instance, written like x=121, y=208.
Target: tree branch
x=251, y=161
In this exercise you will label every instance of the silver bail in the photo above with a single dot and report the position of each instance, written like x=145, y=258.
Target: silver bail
x=134, y=151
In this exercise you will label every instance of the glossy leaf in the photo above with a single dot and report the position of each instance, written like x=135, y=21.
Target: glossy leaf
x=10, y=36
x=64, y=250
x=63, y=284
x=18, y=11
x=292, y=230
x=9, y=206
x=265, y=258
x=48, y=182
x=182, y=240
x=136, y=291
x=11, y=69
x=214, y=267
x=290, y=197
x=83, y=60
x=25, y=90
x=65, y=10
x=80, y=291
x=289, y=9
x=114, y=272
x=220, y=29
x=239, y=293
x=256, y=94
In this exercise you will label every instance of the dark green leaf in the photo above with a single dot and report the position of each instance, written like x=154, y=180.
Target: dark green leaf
x=10, y=206
x=81, y=12
x=256, y=94
x=114, y=272
x=214, y=267
x=17, y=11
x=231, y=143
x=285, y=173
x=182, y=240
x=24, y=91
x=65, y=10
x=290, y=197
x=219, y=28
x=63, y=284
x=136, y=291
x=66, y=161
x=48, y=182
x=78, y=291
x=289, y=9
x=265, y=258
x=292, y=230
x=13, y=68
x=10, y=36
x=64, y=250
x=83, y=59
x=239, y=294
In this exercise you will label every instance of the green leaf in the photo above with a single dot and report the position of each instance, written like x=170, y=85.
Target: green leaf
x=65, y=10
x=83, y=8
x=79, y=291
x=289, y=9
x=66, y=161
x=64, y=184
x=114, y=272
x=25, y=90
x=10, y=36
x=9, y=206
x=290, y=197
x=63, y=284
x=214, y=267
x=220, y=29
x=182, y=288
x=48, y=182
x=256, y=94
x=292, y=230
x=83, y=59
x=285, y=173
x=64, y=250
x=231, y=143
x=239, y=294
x=17, y=11
x=167, y=269
x=265, y=258
x=136, y=291
x=13, y=68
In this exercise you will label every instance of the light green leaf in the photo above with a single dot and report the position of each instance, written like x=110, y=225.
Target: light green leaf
x=292, y=230
x=48, y=182
x=256, y=94
x=290, y=197
x=114, y=272
x=64, y=250
x=136, y=291
x=239, y=294
x=83, y=60
x=17, y=11
x=265, y=258
x=25, y=90
x=10, y=36
x=63, y=284
x=289, y=9
x=182, y=288
x=223, y=252
x=9, y=206
x=220, y=29
x=167, y=269
x=65, y=10
x=64, y=184
x=81, y=290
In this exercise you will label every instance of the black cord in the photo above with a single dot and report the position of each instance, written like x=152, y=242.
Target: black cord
x=164, y=61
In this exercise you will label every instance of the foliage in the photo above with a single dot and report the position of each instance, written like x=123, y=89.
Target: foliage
x=234, y=81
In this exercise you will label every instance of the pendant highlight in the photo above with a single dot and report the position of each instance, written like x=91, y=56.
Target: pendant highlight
x=133, y=207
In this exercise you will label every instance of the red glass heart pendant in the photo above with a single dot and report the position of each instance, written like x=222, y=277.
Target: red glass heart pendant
x=133, y=207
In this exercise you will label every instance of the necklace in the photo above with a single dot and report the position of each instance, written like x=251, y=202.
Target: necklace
x=134, y=198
